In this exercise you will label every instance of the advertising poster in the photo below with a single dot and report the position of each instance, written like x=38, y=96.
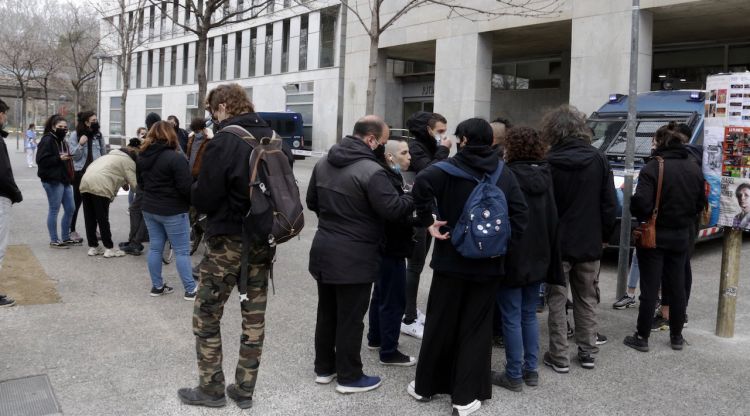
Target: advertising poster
x=727, y=104
x=735, y=179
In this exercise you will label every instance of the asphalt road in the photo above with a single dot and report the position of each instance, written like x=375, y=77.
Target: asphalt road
x=111, y=349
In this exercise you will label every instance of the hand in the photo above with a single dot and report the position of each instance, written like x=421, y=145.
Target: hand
x=65, y=157
x=83, y=140
x=447, y=142
x=125, y=187
x=434, y=230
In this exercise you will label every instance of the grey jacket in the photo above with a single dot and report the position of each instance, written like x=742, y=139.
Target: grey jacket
x=80, y=153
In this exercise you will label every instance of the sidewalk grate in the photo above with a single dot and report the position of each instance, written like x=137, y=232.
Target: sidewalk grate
x=28, y=396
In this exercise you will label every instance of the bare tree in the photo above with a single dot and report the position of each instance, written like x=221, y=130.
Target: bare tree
x=79, y=44
x=124, y=23
x=375, y=22
x=208, y=15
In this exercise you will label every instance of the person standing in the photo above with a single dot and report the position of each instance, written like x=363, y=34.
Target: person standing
x=182, y=135
x=29, y=144
x=56, y=172
x=198, y=138
x=682, y=198
x=430, y=144
x=388, y=297
x=221, y=192
x=162, y=173
x=456, y=351
x=9, y=195
x=353, y=198
x=587, y=208
x=86, y=145
x=532, y=260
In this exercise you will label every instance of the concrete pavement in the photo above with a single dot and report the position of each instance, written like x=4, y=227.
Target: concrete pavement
x=110, y=349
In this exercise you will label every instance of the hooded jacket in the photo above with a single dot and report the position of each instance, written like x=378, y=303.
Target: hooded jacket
x=353, y=197
x=535, y=257
x=52, y=169
x=399, y=235
x=682, y=196
x=423, y=148
x=221, y=190
x=106, y=175
x=451, y=193
x=585, y=197
x=8, y=187
x=164, y=177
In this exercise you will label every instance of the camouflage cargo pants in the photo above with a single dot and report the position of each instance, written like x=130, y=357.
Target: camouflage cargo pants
x=219, y=271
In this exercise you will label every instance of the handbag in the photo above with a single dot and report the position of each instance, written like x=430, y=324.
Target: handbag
x=645, y=234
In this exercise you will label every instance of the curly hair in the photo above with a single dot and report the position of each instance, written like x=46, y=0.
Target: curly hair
x=524, y=143
x=232, y=96
x=565, y=122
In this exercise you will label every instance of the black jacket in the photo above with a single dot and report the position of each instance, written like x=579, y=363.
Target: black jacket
x=451, y=194
x=221, y=190
x=182, y=139
x=399, y=235
x=536, y=256
x=423, y=148
x=164, y=176
x=682, y=196
x=353, y=197
x=8, y=187
x=585, y=198
x=52, y=169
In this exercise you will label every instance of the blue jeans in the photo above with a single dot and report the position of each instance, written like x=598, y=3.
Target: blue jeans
x=177, y=229
x=387, y=305
x=520, y=328
x=59, y=194
x=635, y=272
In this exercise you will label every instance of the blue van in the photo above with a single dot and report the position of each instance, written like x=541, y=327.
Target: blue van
x=654, y=109
x=289, y=126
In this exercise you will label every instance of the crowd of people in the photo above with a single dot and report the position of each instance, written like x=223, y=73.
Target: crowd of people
x=539, y=207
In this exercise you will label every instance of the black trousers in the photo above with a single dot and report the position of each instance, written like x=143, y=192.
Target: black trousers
x=96, y=213
x=138, y=230
x=77, y=198
x=339, y=328
x=456, y=348
x=666, y=268
x=414, y=267
x=665, y=294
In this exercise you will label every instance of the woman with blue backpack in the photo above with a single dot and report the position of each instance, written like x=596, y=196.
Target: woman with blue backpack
x=481, y=211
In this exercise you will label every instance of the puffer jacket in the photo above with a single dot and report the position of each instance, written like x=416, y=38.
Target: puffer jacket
x=107, y=174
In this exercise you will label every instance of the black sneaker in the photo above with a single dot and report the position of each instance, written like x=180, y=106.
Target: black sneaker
x=132, y=250
x=6, y=301
x=558, y=367
x=196, y=397
x=531, y=378
x=502, y=380
x=72, y=243
x=636, y=342
x=165, y=290
x=123, y=244
x=243, y=401
x=677, y=342
x=190, y=295
x=660, y=324
x=586, y=360
x=601, y=339
x=373, y=346
x=58, y=244
x=398, y=359
x=498, y=341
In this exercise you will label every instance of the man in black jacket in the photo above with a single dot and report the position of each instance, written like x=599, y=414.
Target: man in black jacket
x=587, y=207
x=221, y=192
x=9, y=194
x=353, y=197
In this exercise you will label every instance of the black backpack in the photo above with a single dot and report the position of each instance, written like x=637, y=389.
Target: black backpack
x=276, y=212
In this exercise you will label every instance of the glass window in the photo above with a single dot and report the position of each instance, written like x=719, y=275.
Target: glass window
x=138, y=64
x=327, y=36
x=686, y=68
x=251, y=54
x=528, y=75
x=303, y=43
x=269, y=50
x=173, y=66
x=739, y=58
x=249, y=92
x=118, y=71
x=163, y=27
x=210, y=60
x=192, y=100
x=299, y=99
x=223, y=64
x=175, y=14
x=237, y=54
x=115, y=116
x=150, y=69
x=160, y=69
x=185, y=53
x=151, y=21
x=285, y=46
x=241, y=9
x=153, y=104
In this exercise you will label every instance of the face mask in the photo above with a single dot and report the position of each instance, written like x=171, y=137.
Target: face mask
x=95, y=126
x=396, y=168
x=61, y=133
x=379, y=152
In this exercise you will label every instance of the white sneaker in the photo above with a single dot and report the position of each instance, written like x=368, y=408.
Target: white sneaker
x=468, y=409
x=113, y=252
x=325, y=378
x=411, y=389
x=96, y=251
x=421, y=317
x=415, y=329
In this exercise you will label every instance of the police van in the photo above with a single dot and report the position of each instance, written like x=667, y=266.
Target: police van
x=290, y=127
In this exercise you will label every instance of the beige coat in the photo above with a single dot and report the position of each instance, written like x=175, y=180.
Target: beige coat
x=107, y=174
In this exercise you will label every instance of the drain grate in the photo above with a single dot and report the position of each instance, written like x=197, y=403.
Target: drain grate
x=28, y=396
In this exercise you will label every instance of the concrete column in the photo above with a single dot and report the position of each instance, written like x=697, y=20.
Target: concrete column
x=260, y=51
x=278, y=34
x=381, y=85
x=245, y=58
x=191, y=63
x=134, y=72
x=294, y=33
x=463, y=74
x=313, y=40
x=180, y=62
x=600, y=59
x=230, y=55
x=144, y=69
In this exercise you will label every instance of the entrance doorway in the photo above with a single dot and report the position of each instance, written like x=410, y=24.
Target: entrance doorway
x=414, y=104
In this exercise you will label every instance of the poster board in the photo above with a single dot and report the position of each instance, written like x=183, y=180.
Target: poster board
x=735, y=178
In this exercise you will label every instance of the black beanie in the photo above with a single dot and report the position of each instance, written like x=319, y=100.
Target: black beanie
x=151, y=119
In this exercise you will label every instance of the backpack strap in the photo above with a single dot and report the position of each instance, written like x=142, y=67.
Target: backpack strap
x=496, y=174
x=454, y=170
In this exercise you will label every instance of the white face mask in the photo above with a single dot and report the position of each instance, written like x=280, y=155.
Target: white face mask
x=439, y=138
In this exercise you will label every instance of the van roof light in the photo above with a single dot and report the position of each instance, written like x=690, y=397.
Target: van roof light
x=616, y=98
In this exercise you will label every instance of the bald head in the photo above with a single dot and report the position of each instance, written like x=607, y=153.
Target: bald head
x=499, y=130
x=397, y=153
x=372, y=130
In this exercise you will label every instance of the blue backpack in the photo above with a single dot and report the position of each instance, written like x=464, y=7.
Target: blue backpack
x=483, y=229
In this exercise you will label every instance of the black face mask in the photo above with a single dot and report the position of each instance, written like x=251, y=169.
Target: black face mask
x=379, y=152
x=95, y=127
x=61, y=133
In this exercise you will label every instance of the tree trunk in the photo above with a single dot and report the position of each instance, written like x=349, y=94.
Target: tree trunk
x=200, y=70
x=77, y=90
x=126, y=68
x=372, y=75
x=46, y=96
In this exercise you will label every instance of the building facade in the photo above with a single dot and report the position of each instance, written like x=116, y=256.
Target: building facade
x=462, y=66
